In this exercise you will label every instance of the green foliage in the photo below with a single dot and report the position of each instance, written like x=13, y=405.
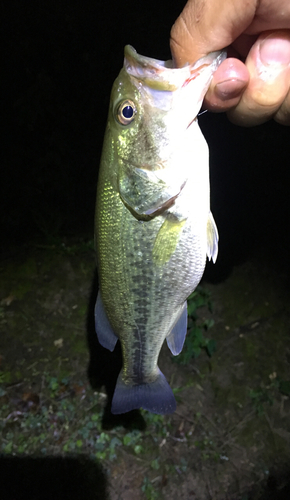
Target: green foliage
x=156, y=422
x=131, y=438
x=2, y=314
x=57, y=422
x=155, y=464
x=199, y=298
x=209, y=449
x=284, y=387
x=149, y=490
x=265, y=395
x=53, y=384
x=260, y=397
x=5, y=377
x=59, y=244
x=195, y=340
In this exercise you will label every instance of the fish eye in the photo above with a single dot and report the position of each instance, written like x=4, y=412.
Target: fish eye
x=126, y=112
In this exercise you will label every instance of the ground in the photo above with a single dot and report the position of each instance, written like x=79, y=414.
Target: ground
x=229, y=437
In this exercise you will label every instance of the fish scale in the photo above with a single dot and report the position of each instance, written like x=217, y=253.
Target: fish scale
x=153, y=224
x=158, y=288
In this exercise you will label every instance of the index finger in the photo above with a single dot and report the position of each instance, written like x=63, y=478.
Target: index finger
x=207, y=25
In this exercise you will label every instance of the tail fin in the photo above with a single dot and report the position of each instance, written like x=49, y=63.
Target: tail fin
x=156, y=397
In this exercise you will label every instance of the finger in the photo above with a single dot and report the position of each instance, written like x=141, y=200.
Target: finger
x=203, y=27
x=268, y=63
x=270, y=15
x=283, y=114
x=227, y=86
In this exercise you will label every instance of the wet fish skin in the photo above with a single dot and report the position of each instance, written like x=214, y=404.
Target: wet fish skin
x=153, y=226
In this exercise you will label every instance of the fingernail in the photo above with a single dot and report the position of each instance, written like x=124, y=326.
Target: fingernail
x=228, y=89
x=275, y=50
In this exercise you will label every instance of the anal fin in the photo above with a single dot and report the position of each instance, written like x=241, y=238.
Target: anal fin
x=104, y=331
x=176, y=338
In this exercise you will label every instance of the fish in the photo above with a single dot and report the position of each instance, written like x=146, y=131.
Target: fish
x=153, y=224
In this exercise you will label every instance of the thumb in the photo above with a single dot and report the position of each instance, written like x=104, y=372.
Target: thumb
x=268, y=63
x=207, y=25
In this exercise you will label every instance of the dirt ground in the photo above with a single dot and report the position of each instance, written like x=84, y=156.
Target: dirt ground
x=229, y=437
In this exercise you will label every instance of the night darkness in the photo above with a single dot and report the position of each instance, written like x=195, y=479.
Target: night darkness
x=59, y=60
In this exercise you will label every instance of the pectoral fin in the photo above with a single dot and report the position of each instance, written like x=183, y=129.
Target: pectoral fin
x=166, y=240
x=212, y=238
x=176, y=338
x=104, y=331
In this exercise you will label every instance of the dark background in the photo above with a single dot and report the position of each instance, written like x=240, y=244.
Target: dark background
x=59, y=61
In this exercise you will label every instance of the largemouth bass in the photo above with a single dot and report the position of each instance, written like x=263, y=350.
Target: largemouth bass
x=153, y=226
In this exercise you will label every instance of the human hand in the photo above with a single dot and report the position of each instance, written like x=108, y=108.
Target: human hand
x=253, y=83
